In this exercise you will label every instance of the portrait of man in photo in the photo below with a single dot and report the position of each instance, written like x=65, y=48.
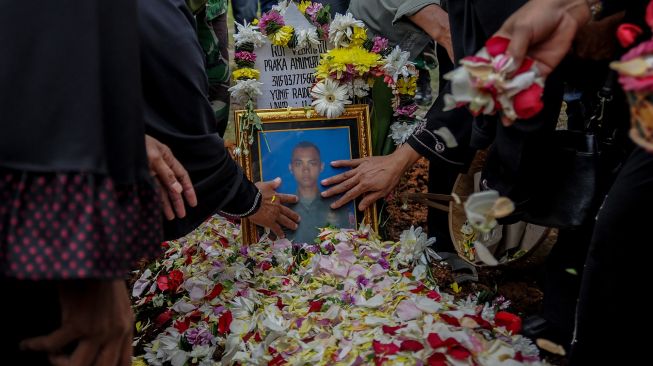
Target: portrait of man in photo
x=306, y=165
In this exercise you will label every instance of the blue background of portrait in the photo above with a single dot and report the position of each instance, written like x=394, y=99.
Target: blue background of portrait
x=334, y=144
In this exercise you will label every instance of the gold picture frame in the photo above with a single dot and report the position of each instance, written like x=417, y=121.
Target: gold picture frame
x=269, y=152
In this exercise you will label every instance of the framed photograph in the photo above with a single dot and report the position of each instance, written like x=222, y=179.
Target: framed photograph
x=298, y=146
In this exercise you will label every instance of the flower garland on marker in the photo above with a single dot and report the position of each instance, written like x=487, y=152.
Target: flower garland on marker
x=345, y=74
x=253, y=35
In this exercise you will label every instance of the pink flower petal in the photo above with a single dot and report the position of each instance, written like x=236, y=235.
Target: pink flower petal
x=407, y=310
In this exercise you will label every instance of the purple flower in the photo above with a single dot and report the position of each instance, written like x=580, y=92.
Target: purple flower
x=245, y=56
x=362, y=281
x=329, y=247
x=311, y=249
x=218, y=310
x=348, y=298
x=380, y=44
x=313, y=9
x=244, y=250
x=199, y=336
x=384, y=263
x=269, y=18
x=407, y=110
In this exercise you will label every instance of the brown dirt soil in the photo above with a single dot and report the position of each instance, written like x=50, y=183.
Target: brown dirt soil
x=517, y=282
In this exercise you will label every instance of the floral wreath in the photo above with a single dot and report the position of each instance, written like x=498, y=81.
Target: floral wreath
x=345, y=74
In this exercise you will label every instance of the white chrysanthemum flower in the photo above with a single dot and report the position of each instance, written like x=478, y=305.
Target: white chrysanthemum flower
x=396, y=63
x=401, y=131
x=273, y=320
x=248, y=33
x=360, y=88
x=281, y=7
x=244, y=90
x=342, y=29
x=330, y=98
x=307, y=38
x=415, y=247
x=154, y=354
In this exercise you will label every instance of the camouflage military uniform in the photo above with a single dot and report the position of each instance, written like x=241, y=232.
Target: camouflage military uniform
x=211, y=17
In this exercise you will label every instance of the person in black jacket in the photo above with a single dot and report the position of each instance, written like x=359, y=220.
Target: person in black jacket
x=179, y=115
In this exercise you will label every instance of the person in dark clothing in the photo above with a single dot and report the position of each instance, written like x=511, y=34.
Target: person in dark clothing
x=78, y=207
x=514, y=164
x=179, y=115
x=615, y=265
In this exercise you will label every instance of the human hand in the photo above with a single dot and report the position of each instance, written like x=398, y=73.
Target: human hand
x=544, y=30
x=433, y=20
x=596, y=41
x=375, y=177
x=98, y=316
x=172, y=178
x=272, y=213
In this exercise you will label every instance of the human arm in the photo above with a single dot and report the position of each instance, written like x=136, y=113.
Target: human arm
x=545, y=30
x=374, y=177
x=172, y=178
x=97, y=316
x=433, y=20
x=273, y=213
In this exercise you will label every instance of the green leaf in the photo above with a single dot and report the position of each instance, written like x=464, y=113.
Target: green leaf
x=381, y=115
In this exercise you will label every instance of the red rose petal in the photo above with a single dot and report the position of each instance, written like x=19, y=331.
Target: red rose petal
x=266, y=292
x=434, y=295
x=163, y=318
x=411, y=345
x=437, y=359
x=418, y=289
x=162, y=282
x=182, y=326
x=649, y=14
x=225, y=322
x=450, y=320
x=627, y=34
x=315, y=306
x=277, y=361
x=224, y=242
x=175, y=279
x=497, y=45
x=459, y=352
x=525, y=66
x=217, y=290
x=391, y=330
x=434, y=341
x=528, y=102
x=385, y=349
x=480, y=321
x=508, y=320
x=280, y=303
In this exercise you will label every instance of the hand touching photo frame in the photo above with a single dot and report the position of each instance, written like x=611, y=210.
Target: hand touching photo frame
x=298, y=147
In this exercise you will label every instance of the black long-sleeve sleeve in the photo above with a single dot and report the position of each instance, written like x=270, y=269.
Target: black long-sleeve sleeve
x=178, y=113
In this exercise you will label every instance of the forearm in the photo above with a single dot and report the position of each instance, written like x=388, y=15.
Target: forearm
x=406, y=156
x=433, y=20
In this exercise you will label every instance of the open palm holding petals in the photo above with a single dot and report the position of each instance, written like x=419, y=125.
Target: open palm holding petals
x=490, y=82
x=347, y=299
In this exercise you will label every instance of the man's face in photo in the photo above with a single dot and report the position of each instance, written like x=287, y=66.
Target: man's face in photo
x=306, y=166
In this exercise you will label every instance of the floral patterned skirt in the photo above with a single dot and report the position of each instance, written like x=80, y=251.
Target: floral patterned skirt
x=57, y=226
